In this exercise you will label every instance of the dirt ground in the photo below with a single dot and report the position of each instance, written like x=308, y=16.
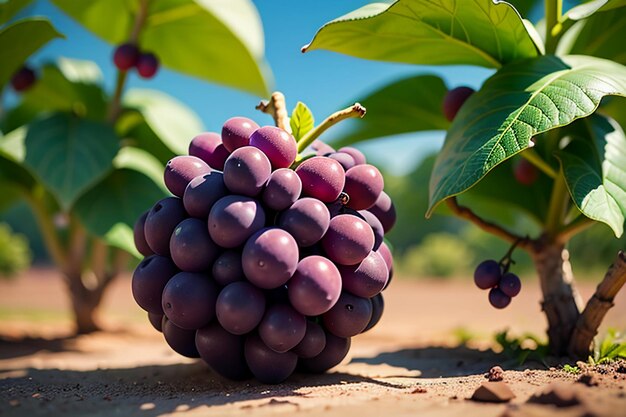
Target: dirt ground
x=410, y=364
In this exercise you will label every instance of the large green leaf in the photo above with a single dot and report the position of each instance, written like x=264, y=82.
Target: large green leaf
x=409, y=105
x=583, y=11
x=20, y=40
x=594, y=165
x=110, y=209
x=433, y=32
x=69, y=154
x=515, y=104
x=220, y=41
x=9, y=8
x=141, y=161
x=173, y=123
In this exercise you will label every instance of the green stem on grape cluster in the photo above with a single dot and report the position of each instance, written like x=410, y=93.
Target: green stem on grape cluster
x=533, y=157
x=356, y=110
x=277, y=108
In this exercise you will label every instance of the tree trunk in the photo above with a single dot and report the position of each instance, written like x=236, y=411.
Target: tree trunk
x=561, y=301
x=85, y=302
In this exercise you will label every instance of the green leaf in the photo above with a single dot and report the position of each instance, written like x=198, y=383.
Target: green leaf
x=218, y=41
x=409, y=105
x=141, y=161
x=20, y=40
x=595, y=171
x=110, y=209
x=174, y=123
x=9, y=8
x=583, y=11
x=515, y=104
x=69, y=154
x=301, y=120
x=432, y=32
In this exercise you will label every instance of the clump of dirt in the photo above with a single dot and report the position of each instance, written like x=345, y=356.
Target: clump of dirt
x=493, y=392
x=495, y=374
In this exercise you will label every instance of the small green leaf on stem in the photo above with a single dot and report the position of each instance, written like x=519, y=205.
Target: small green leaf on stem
x=301, y=120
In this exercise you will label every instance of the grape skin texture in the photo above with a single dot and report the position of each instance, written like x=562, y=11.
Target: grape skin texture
x=364, y=183
x=180, y=340
x=282, y=327
x=487, y=274
x=233, y=219
x=313, y=342
x=189, y=300
x=322, y=178
x=378, y=307
x=208, y=146
x=160, y=223
x=385, y=211
x=334, y=352
x=377, y=227
x=307, y=220
x=156, y=320
x=268, y=366
x=345, y=159
x=282, y=189
x=270, y=258
x=279, y=146
x=498, y=299
x=315, y=287
x=246, y=171
x=222, y=351
x=367, y=278
x=510, y=284
x=202, y=192
x=191, y=247
x=348, y=240
x=356, y=154
x=139, y=236
x=349, y=316
x=149, y=280
x=227, y=268
x=236, y=132
x=240, y=307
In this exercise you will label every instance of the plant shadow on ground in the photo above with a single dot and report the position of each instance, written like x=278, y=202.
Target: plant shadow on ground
x=14, y=348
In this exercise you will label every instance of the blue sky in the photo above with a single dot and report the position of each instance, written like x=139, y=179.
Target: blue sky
x=325, y=81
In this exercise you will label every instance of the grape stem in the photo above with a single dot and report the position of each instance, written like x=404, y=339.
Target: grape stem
x=277, y=108
x=507, y=260
x=356, y=110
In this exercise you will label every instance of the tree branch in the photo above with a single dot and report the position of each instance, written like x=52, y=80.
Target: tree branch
x=597, y=307
x=277, y=108
x=356, y=110
x=49, y=234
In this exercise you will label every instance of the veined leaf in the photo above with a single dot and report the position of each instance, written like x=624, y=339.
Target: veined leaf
x=141, y=161
x=9, y=8
x=518, y=102
x=595, y=170
x=301, y=120
x=433, y=32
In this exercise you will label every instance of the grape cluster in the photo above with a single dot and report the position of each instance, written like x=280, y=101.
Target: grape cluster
x=502, y=285
x=259, y=268
x=128, y=56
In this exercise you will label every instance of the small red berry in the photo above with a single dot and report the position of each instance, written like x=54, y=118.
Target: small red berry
x=23, y=79
x=525, y=172
x=125, y=56
x=454, y=100
x=147, y=65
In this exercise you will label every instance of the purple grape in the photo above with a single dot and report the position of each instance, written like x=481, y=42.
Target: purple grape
x=202, y=192
x=367, y=278
x=189, y=300
x=223, y=352
x=378, y=307
x=348, y=240
x=306, y=220
x=487, y=274
x=270, y=258
x=454, y=99
x=385, y=252
x=182, y=341
x=208, y=146
x=268, y=366
x=510, y=284
x=160, y=223
x=233, y=219
x=364, y=183
x=147, y=65
x=384, y=209
x=282, y=327
x=139, y=237
x=282, y=189
x=321, y=148
x=315, y=287
x=334, y=352
x=240, y=307
x=180, y=170
x=227, y=268
x=23, y=79
x=346, y=160
x=191, y=247
x=277, y=144
x=246, y=171
x=376, y=225
x=498, y=299
x=349, y=316
x=125, y=56
x=149, y=279
x=322, y=178
x=156, y=320
x=313, y=342
x=356, y=154
x=236, y=132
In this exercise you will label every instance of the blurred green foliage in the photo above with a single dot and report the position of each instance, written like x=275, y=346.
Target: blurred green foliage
x=15, y=256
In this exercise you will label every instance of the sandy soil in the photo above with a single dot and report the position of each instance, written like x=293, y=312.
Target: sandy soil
x=411, y=363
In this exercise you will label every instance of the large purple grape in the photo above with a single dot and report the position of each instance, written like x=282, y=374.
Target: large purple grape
x=233, y=219
x=510, y=284
x=334, y=352
x=156, y=320
x=240, y=307
x=349, y=316
x=139, y=236
x=364, y=183
x=367, y=278
x=268, y=366
x=282, y=327
x=222, y=351
x=498, y=299
x=191, y=247
x=236, y=132
x=227, y=268
x=160, y=223
x=189, y=300
x=270, y=258
x=208, y=146
x=180, y=170
x=313, y=342
x=378, y=307
x=487, y=274
x=202, y=192
x=182, y=341
x=322, y=178
x=384, y=209
x=346, y=160
x=277, y=144
x=356, y=154
x=246, y=171
x=315, y=287
x=306, y=220
x=149, y=279
x=321, y=148
x=282, y=189
x=348, y=240
x=376, y=225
